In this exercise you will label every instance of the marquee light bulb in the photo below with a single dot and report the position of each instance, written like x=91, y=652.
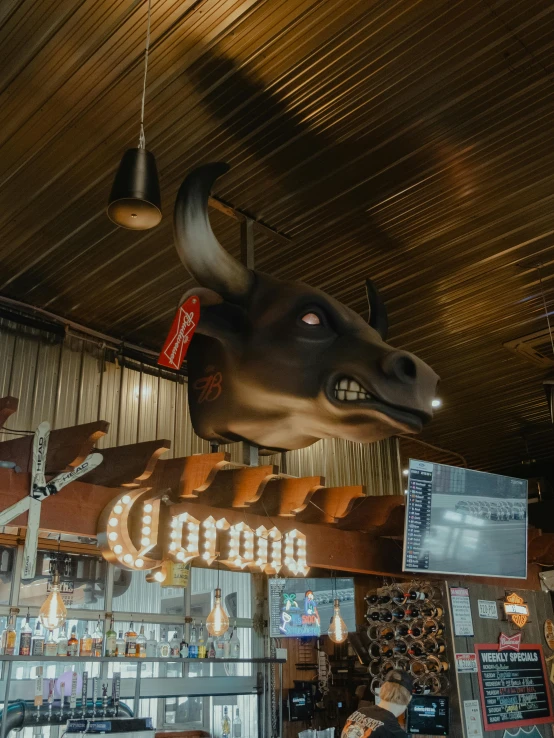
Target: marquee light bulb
x=117, y=549
x=338, y=632
x=148, y=508
x=118, y=509
x=128, y=558
x=125, y=499
x=53, y=612
x=217, y=622
x=139, y=563
x=159, y=576
x=112, y=536
x=113, y=521
x=145, y=541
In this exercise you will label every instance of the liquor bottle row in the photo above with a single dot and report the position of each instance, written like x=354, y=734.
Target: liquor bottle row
x=128, y=644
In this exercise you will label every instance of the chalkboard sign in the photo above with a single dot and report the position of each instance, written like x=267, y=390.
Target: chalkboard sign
x=514, y=687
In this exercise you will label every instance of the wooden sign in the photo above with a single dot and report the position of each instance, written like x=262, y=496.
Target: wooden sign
x=549, y=633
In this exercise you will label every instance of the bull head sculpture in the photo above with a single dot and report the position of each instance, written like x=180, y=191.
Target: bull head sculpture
x=280, y=364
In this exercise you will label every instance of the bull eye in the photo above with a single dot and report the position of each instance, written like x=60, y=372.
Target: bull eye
x=311, y=319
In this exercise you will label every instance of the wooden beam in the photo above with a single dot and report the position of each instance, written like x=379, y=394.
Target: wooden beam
x=187, y=476
x=240, y=217
x=75, y=509
x=285, y=496
x=127, y=466
x=235, y=487
x=67, y=447
x=371, y=513
x=8, y=406
x=327, y=547
x=328, y=504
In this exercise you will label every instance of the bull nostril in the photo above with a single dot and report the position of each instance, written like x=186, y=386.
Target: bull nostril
x=401, y=366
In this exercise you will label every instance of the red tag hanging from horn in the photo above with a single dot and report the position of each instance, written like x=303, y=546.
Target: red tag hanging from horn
x=181, y=333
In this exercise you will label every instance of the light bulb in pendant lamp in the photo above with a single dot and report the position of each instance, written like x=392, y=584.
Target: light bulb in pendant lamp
x=217, y=621
x=53, y=612
x=338, y=632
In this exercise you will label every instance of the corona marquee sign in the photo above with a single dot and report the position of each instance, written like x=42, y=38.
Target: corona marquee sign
x=138, y=532
x=516, y=610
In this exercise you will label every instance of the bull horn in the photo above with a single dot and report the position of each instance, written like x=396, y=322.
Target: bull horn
x=198, y=248
x=378, y=316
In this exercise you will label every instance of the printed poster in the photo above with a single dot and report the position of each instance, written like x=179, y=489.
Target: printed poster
x=472, y=715
x=461, y=611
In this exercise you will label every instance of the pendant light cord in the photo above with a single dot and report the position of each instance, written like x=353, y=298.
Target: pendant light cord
x=545, y=306
x=142, y=138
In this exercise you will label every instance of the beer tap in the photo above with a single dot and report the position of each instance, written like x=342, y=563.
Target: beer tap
x=104, y=700
x=51, y=684
x=94, y=695
x=84, y=691
x=62, y=699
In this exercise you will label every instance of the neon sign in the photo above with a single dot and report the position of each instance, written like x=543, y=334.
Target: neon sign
x=138, y=532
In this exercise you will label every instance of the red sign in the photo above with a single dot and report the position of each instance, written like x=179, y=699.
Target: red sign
x=510, y=643
x=182, y=330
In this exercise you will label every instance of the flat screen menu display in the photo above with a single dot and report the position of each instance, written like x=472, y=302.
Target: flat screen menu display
x=428, y=715
x=302, y=607
x=461, y=521
x=514, y=687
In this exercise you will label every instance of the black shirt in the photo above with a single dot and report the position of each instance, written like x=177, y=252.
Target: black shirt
x=372, y=721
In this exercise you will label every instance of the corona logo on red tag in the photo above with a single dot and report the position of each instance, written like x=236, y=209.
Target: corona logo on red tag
x=516, y=610
x=510, y=643
x=182, y=330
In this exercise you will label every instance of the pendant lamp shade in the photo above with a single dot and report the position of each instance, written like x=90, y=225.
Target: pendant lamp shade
x=135, y=201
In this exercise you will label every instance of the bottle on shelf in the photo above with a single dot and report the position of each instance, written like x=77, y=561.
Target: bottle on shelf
x=73, y=643
x=62, y=642
x=211, y=650
x=120, y=645
x=226, y=644
x=9, y=637
x=152, y=645
x=25, y=638
x=201, y=644
x=141, y=643
x=193, y=645
x=85, y=648
x=225, y=725
x=131, y=642
x=163, y=646
x=97, y=640
x=37, y=641
x=184, y=647
x=175, y=646
x=111, y=640
x=237, y=725
x=51, y=645
x=234, y=643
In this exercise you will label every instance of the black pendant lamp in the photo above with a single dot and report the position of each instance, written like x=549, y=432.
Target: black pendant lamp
x=135, y=201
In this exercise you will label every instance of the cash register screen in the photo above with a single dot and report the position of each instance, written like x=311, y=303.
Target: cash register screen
x=428, y=715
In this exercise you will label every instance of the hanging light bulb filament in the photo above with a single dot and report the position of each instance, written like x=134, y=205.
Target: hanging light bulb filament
x=338, y=632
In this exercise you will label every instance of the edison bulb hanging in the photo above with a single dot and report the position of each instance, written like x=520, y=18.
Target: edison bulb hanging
x=338, y=632
x=217, y=621
x=53, y=612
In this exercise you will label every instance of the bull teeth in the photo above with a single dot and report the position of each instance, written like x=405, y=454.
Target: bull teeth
x=341, y=394
x=350, y=395
x=348, y=390
x=352, y=385
x=343, y=384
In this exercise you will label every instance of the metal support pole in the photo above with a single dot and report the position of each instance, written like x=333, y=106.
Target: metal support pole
x=136, y=706
x=280, y=700
x=247, y=243
x=6, y=698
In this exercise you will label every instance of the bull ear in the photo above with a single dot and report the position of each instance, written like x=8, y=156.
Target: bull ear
x=219, y=319
x=378, y=317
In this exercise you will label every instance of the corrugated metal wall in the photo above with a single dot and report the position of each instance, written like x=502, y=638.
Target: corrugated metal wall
x=69, y=382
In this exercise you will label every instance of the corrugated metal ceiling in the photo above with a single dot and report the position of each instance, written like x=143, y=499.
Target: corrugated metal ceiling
x=410, y=141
